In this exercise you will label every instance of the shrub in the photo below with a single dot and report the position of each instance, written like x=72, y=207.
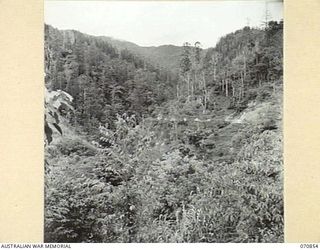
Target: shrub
x=76, y=146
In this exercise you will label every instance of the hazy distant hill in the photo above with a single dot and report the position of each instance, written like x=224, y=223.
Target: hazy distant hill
x=165, y=56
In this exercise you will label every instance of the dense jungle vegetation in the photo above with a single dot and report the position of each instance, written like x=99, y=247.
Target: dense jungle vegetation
x=136, y=152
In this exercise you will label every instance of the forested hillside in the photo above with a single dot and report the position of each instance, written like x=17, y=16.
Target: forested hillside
x=164, y=56
x=102, y=80
x=138, y=152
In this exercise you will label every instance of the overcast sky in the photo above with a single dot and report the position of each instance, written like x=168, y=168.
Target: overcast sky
x=153, y=23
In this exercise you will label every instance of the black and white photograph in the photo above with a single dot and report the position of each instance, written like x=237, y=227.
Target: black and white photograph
x=163, y=122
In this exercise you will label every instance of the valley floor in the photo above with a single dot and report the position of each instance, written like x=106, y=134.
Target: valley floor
x=180, y=175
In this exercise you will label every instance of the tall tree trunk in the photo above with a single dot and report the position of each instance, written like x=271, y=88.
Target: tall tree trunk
x=177, y=90
x=192, y=87
x=274, y=86
x=242, y=85
x=227, y=94
x=205, y=92
x=188, y=87
x=233, y=89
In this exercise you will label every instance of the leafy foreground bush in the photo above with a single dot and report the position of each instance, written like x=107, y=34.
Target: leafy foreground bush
x=141, y=190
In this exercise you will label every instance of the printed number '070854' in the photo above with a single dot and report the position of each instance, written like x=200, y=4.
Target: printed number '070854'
x=308, y=245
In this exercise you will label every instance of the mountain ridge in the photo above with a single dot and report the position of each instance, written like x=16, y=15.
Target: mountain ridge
x=165, y=56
